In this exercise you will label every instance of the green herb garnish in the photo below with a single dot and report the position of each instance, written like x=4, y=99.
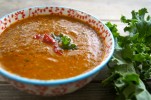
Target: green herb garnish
x=64, y=42
x=130, y=65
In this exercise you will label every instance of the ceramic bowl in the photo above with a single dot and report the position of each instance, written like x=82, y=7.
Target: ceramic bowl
x=61, y=86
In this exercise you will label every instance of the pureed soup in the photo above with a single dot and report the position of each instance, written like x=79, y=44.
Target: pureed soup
x=49, y=47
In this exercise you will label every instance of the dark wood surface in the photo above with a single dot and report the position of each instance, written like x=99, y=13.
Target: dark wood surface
x=106, y=10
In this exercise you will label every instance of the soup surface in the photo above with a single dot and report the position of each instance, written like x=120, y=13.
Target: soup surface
x=25, y=56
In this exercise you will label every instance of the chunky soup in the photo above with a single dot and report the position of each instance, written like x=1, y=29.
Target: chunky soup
x=27, y=48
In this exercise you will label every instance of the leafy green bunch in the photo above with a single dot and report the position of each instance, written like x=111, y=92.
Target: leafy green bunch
x=131, y=61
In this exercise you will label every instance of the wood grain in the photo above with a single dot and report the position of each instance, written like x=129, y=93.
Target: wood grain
x=89, y=92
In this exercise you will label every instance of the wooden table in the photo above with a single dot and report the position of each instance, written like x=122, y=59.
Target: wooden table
x=106, y=10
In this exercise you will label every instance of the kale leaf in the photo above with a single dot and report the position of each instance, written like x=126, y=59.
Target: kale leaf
x=131, y=61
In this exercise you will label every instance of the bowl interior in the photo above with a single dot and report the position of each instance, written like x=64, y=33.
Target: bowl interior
x=104, y=34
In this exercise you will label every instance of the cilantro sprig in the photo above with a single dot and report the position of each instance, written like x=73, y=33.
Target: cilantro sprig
x=130, y=65
x=65, y=42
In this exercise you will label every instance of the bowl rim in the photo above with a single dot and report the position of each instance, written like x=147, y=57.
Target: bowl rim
x=83, y=76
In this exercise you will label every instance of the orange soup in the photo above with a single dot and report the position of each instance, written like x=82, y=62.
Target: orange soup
x=25, y=49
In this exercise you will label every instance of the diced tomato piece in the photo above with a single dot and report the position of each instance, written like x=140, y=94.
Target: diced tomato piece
x=48, y=39
x=57, y=50
x=56, y=45
x=38, y=36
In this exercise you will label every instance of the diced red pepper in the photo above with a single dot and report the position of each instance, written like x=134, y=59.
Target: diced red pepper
x=48, y=39
x=38, y=36
x=57, y=49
